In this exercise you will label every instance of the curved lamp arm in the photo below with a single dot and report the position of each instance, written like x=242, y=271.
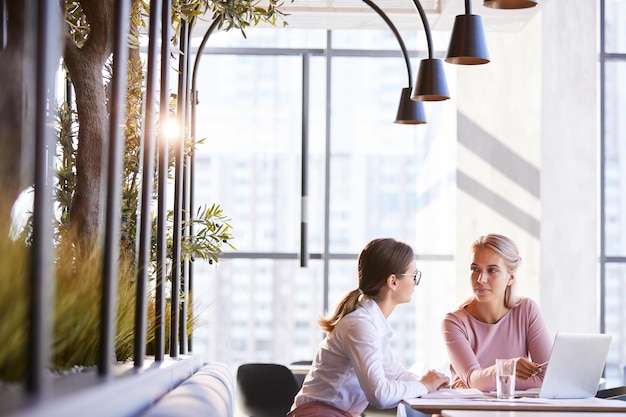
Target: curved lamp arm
x=398, y=37
x=196, y=63
x=429, y=39
x=409, y=111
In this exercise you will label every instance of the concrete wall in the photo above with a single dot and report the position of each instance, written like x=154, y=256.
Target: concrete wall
x=527, y=158
x=569, y=165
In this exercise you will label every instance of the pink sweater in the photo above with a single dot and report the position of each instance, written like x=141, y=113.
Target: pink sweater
x=474, y=346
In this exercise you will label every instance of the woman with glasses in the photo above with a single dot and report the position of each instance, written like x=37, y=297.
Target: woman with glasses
x=353, y=366
x=494, y=323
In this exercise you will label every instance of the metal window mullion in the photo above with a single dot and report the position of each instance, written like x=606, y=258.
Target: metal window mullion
x=327, y=174
x=602, y=168
x=304, y=195
x=161, y=261
x=42, y=272
x=114, y=183
x=145, y=220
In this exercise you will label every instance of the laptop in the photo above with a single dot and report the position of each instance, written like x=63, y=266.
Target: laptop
x=575, y=368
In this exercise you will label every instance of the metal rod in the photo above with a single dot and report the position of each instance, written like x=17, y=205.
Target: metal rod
x=184, y=284
x=422, y=13
x=145, y=221
x=393, y=28
x=304, y=220
x=178, y=203
x=42, y=272
x=192, y=159
x=196, y=65
x=327, y=153
x=603, y=167
x=112, y=235
x=159, y=328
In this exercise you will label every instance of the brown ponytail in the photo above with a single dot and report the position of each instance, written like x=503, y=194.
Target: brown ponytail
x=379, y=259
x=348, y=304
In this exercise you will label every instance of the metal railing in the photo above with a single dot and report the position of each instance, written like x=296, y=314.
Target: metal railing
x=43, y=41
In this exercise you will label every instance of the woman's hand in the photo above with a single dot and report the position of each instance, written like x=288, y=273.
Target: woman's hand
x=459, y=384
x=434, y=380
x=524, y=368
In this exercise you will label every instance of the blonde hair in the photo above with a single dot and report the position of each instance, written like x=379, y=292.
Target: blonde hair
x=507, y=249
x=379, y=259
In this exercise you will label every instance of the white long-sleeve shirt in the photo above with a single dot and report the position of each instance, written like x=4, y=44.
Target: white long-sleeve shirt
x=354, y=366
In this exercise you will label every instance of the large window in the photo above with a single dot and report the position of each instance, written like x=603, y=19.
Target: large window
x=367, y=178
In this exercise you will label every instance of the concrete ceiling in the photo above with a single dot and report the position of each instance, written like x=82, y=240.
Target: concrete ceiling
x=353, y=14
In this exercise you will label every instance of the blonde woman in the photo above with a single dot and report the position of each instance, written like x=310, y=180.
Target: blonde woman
x=494, y=323
x=353, y=366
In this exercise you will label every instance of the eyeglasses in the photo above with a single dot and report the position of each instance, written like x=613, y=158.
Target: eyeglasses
x=417, y=276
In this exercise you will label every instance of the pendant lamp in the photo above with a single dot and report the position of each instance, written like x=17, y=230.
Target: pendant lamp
x=409, y=112
x=431, y=84
x=510, y=4
x=467, y=42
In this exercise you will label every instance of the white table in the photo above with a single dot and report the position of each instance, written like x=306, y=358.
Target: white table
x=436, y=406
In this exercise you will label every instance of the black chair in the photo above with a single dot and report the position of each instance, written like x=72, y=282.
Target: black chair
x=266, y=389
x=300, y=371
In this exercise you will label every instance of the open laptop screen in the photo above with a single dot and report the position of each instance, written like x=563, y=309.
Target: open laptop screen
x=576, y=364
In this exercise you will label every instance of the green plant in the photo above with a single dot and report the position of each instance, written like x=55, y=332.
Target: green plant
x=78, y=263
x=14, y=264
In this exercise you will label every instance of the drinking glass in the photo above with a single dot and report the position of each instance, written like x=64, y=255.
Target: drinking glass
x=505, y=378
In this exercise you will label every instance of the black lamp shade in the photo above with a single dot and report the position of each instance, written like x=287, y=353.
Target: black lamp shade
x=467, y=42
x=510, y=4
x=410, y=112
x=431, y=82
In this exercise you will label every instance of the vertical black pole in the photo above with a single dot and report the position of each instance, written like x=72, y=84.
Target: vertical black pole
x=159, y=328
x=111, y=255
x=304, y=195
x=178, y=337
x=46, y=49
x=178, y=181
x=186, y=333
x=194, y=103
x=327, y=172
x=145, y=221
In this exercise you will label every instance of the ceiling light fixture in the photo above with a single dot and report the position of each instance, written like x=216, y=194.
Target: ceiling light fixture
x=431, y=84
x=409, y=111
x=510, y=4
x=467, y=42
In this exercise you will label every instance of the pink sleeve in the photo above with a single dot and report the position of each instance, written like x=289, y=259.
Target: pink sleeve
x=539, y=343
x=463, y=359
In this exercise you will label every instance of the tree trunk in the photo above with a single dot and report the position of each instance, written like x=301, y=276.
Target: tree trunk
x=85, y=66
